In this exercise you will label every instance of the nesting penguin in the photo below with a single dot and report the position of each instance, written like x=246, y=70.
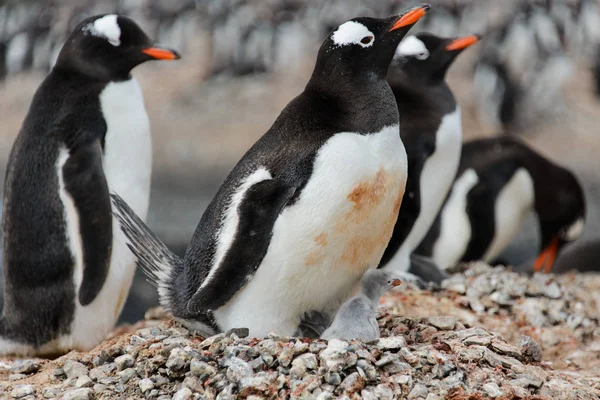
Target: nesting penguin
x=67, y=267
x=431, y=130
x=500, y=181
x=307, y=210
x=356, y=318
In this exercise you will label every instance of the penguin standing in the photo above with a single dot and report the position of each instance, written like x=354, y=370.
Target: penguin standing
x=66, y=264
x=500, y=181
x=308, y=209
x=431, y=130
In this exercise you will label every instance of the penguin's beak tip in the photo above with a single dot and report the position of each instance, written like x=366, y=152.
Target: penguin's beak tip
x=161, y=53
x=411, y=16
x=396, y=282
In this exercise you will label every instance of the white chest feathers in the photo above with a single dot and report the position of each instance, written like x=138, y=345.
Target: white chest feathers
x=513, y=204
x=128, y=144
x=435, y=181
x=323, y=243
x=455, y=225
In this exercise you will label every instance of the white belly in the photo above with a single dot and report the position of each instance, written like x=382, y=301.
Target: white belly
x=513, y=205
x=127, y=166
x=455, y=226
x=435, y=181
x=321, y=246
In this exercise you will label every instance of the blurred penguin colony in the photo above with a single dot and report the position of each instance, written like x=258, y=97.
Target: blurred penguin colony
x=364, y=178
x=528, y=50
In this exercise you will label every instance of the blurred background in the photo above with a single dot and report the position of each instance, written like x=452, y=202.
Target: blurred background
x=535, y=74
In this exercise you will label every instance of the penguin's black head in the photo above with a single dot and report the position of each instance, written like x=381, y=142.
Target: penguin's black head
x=364, y=47
x=108, y=47
x=565, y=222
x=427, y=57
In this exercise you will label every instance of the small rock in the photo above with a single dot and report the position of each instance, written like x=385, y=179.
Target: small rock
x=333, y=378
x=74, y=369
x=353, y=383
x=384, y=392
x=552, y=290
x=202, y=370
x=470, y=355
x=525, y=381
x=84, y=381
x=237, y=369
x=20, y=391
x=52, y=392
x=126, y=375
x=477, y=340
x=137, y=340
x=286, y=356
x=443, y=323
x=505, y=348
x=325, y=396
x=98, y=387
x=124, y=361
x=97, y=373
x=387, y=358
x=530, y=349
x=396, y=367
x=178, y=360
x=183, y=394
x=402, y=379
x=310, y=360
x=492, y=389
x=418, y=391
x=24, y=367
x=409, y=357
x=16, y=377
x=391, y=343
x=146, y=385
x=239, y=332
x=77, y=394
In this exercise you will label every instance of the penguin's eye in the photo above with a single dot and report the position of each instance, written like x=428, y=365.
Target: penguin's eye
x=366, y=40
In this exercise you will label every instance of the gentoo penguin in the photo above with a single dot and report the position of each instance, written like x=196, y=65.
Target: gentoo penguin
x=356, y=318
x=66, y=264
x=499, y=181
x=307, y=210
x=431, y=130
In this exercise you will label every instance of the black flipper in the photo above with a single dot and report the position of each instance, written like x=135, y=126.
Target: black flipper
x=85, y=182
x=258, y=211
x=153, y=256
x=312, y=325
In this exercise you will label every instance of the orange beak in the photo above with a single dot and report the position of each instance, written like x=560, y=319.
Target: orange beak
x=547, y=257
x=462, y=43
x=396, y=282
x=159, y=53
x=411, y=17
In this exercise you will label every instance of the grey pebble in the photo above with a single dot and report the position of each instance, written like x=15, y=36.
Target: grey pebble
x=418, y=391
x=183, y=394
x=237, y=369
x=77, y=394
x=443, y=323
x=20, y=391
x=24, y=367
x=74, y=369
x=391, y=343
x=124, y=361
x=146, y=385
x=84, y=381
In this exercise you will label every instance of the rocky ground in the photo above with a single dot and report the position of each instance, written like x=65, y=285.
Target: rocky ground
x=489, y=333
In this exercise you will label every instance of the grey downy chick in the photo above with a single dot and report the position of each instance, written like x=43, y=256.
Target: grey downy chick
x=356, y=318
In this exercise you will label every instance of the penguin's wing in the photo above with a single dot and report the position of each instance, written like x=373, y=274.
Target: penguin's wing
x=85, y=182
x=258, y=210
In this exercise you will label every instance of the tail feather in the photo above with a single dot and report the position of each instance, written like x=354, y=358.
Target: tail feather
x=157, y=262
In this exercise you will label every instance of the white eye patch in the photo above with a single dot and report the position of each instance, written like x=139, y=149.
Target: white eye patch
x=106, y=27
x=352, y=32
x=412, y=47
x=575, y=230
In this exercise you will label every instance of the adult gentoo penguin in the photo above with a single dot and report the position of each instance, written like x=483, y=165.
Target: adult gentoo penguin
x=307, y=210
x=499, y=181
x=431, y=130
x=67, y=267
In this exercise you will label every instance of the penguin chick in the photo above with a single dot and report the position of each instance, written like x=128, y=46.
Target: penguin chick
x=356, y=319
x=66, y=264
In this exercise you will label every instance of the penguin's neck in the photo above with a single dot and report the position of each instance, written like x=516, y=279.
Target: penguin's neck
x=372, y=293
x=367, y=104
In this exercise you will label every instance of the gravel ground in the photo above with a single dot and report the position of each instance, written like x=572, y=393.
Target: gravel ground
x=489, y=333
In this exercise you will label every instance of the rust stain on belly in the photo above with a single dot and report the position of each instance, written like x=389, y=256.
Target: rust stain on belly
x=121, y=299
x=370, y=198
x=318, y=253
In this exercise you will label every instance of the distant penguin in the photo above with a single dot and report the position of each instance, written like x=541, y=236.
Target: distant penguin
x=356, y=318
x=66, y=265
x=307, y=210
x=500, y=181
x=431, y=130
x=581, y=257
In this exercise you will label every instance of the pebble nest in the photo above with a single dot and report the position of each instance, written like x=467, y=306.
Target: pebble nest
x=462, y=355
